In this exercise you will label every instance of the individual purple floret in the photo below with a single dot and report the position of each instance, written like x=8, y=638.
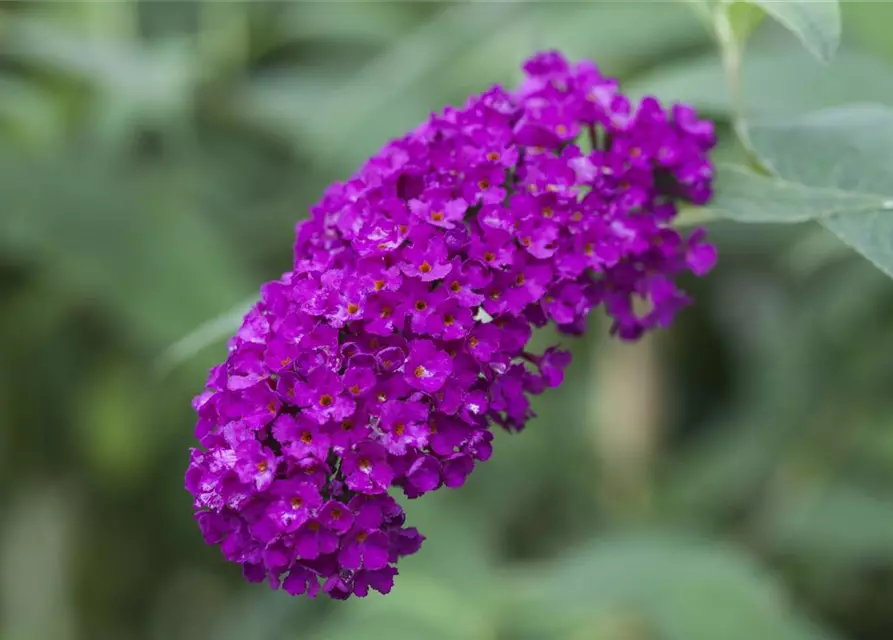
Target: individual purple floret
x=384, y=356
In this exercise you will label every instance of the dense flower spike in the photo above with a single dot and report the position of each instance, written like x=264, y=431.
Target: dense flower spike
x=399, y=337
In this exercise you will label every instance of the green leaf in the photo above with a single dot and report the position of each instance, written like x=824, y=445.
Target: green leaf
x=847, y=149
x=746, y=196
x=744, y=18
x=457, y=51
x=112, y=430
x=679, y=588
x=815, y=22
x=155, y=78
x=774, y=83
x=208, y=333
x=420, y=606
x=36, y=558
x=819, y=521
x=136, y=244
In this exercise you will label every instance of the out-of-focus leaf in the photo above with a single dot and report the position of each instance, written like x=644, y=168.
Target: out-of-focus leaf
x=264, y=613
x=113, y=433
x=134, y=244
x=191, y=602
x=682, y=588
x=208, y=333
x=34, y=564
x=838, y=522
x=867, y=26
x=775, y=82
x=847, y=148
x=746, y=196
x=29, y=112
x=459, y=542
x=333, y=115
x=816, y=24
x=420, y=606
x=460, y=50
x=600, y=31
x=816, y=250
x=743, y=17
x=723, y=470
x=377, y=23
x=154, y=78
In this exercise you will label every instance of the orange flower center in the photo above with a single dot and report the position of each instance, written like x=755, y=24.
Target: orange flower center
x=326, y=400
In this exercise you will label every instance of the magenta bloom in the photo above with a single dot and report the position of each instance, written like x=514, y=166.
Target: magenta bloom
x=427, y=367
x=401, y=335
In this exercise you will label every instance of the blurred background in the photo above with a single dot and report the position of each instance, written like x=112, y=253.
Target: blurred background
x=731, y=478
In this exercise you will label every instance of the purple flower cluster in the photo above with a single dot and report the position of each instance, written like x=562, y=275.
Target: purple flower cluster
x=398, y=338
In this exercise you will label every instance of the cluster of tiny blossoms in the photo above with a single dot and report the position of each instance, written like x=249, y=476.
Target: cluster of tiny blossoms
x=399, y=336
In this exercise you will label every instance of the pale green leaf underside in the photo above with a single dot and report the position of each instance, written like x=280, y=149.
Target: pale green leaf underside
x=775, y=82
x=815, y=23
x=848, y=149
x=746, y=196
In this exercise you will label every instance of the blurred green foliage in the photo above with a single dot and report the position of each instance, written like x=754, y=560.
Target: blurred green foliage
x=730, y=478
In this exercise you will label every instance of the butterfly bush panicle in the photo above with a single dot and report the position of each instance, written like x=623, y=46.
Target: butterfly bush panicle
x=383, y=357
